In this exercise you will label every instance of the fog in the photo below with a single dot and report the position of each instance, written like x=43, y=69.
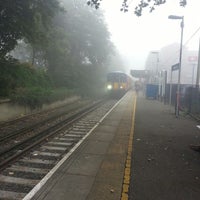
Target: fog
x=135, y=37
x=78, y=46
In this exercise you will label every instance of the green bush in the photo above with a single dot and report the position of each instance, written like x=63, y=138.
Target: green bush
x=16, y=75
x=60, y=94
x=24, y=84
x=33, y=87
x=33, y=97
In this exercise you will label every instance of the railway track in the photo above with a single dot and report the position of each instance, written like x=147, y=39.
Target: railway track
x=7, y=154
x=27, y=166
x=13, y=128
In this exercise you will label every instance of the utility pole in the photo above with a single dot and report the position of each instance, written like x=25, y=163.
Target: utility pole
x=198, y=69
x=180, y=63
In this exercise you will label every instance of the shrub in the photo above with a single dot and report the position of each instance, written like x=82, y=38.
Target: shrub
x=33, y=97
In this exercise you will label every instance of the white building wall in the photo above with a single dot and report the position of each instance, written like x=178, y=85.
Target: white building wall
x=169, y=56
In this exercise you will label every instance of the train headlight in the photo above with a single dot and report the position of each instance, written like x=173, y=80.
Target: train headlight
x=109, y=87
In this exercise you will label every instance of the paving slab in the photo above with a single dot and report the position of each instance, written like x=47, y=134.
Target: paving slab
x=95, y=170
x=163, y=165
x=71, y=187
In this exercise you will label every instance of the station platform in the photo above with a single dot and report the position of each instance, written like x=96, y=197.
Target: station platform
x=99, y=169
x=164, y=167
x=140, y=151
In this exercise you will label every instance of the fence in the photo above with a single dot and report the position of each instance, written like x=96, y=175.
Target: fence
x=189, y=98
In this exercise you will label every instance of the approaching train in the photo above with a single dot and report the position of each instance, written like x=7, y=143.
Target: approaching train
x=118, y=83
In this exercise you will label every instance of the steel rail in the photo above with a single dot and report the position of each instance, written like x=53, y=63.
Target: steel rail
x=43, y=136
x=33, y=126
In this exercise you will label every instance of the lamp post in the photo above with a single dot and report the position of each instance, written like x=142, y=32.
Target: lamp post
x=157, y=61
x=198, y=69
x=180, y=60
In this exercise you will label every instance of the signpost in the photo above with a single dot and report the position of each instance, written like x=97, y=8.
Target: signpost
x=173, y=68
x=139, y=73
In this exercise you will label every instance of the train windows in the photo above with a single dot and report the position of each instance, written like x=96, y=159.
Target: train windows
x=117, y=77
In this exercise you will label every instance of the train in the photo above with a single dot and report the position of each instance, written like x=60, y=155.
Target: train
x=118, y=83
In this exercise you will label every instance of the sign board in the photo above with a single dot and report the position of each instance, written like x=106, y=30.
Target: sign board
x=139, y=73
x=193, y=58
x=175, y=67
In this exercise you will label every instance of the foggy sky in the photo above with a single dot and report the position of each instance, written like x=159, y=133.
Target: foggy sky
x=135, y=36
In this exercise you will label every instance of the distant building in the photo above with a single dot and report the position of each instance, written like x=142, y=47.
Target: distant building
x=162, y=60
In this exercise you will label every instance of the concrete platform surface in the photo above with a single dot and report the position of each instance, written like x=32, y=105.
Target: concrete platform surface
x=163, y=165
x=95, y=171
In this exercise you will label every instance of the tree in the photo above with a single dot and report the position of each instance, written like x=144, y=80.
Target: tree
x=79, y=41
x=87, y=31
x=27, y=19
x=151, y=4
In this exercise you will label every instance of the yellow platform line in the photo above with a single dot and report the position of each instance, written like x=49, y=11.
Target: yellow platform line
x=127, y=171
